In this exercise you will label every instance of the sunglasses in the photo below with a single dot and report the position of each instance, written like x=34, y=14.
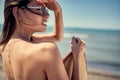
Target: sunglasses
x=42, y=10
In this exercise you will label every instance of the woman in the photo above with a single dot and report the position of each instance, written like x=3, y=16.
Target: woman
x=29, y=56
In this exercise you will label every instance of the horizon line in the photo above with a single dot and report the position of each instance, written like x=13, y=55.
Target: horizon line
x=84, y=27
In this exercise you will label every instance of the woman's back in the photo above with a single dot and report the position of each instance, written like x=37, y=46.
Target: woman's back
x=26, y=60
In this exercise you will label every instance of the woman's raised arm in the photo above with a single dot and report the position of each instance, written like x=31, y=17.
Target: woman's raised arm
x=57, y=33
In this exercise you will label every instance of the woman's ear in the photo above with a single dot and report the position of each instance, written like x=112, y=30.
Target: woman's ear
x=15, y=12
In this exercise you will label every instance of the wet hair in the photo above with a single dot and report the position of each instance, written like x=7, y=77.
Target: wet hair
x=9, y=19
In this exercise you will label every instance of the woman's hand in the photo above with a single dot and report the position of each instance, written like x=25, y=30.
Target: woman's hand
x=79, y=59
x=51, y=4
x=78, y=47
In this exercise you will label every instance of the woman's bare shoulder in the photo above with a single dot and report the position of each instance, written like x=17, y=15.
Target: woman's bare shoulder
x=29, y=46
x=36, y=50
x=42, y=53
x=44, y=49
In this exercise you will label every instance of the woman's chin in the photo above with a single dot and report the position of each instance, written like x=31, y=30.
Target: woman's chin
x=44, y=27
x=44, y=30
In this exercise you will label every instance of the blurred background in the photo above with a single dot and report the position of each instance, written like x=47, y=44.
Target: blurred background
x=98, y=23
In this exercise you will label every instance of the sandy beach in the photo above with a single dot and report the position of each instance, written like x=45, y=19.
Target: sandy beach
x=96, y=75
x=101, y=77
x=92, y=75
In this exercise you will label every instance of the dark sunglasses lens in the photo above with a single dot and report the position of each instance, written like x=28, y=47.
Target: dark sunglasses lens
x=43, y=10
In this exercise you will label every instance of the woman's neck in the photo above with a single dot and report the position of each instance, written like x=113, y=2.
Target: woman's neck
x=23, y=34
x=23, y=37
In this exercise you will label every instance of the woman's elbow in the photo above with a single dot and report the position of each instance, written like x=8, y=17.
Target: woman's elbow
x=58, y=39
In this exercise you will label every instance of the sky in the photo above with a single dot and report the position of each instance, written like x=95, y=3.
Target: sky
x=97, y=14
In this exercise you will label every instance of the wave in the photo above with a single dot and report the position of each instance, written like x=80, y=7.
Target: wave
x=69, y=35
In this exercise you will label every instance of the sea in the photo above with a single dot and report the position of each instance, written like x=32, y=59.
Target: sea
x=102, y=47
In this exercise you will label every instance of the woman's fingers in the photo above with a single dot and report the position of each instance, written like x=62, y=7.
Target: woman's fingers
x=45, y=1
x=73, y=42
x=78, y=46
x=42, y=1
x=51, y=5
x=77, y=41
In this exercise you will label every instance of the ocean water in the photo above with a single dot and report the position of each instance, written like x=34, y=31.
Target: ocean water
x=103, y=47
